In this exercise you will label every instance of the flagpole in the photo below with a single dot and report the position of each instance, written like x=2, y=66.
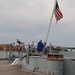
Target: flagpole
x=50, y=24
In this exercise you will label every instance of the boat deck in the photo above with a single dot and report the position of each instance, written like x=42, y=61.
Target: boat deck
x=7, y=69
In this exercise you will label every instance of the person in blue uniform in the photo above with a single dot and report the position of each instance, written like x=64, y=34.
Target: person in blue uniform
x=40, y=47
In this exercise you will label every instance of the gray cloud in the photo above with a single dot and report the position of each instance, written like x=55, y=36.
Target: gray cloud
x=28, y=20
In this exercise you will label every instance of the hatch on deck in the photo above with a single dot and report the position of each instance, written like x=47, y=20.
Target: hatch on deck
x=54, y=56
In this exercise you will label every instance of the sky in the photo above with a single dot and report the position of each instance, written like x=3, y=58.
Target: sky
x=28, y=20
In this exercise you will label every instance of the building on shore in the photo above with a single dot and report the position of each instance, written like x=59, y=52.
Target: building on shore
x=4, y=47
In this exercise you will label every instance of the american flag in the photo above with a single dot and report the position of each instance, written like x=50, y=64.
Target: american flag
x=58, y=14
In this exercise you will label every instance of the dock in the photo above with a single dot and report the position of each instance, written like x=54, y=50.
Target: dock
x=7, y=69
